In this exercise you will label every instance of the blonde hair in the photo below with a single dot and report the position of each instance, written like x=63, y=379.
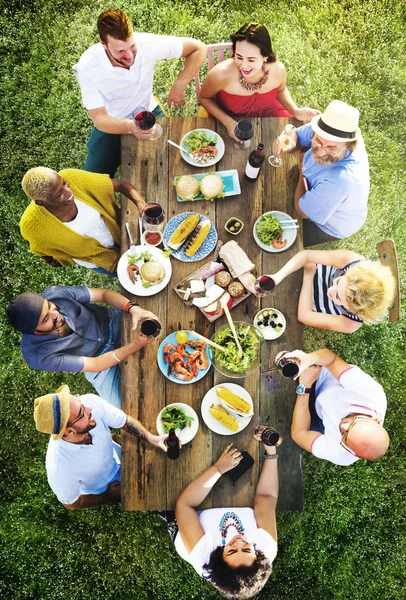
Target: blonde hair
x=370, y=290
x=36, y=183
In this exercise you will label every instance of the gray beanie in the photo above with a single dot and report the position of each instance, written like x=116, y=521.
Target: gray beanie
x=24, y=311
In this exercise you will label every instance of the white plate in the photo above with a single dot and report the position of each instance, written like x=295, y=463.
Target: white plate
x=288, y=234
x=137, y=288
x=268, y=332
x=188, y=433
x=220, y=147
x=211, y=398
x=208, y=245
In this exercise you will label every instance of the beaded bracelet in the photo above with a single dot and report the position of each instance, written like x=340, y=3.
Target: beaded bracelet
x=270, y=456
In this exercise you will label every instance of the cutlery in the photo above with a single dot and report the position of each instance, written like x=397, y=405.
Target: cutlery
x=224, y=306
x=210, y=342
x=140, y=228
x=289, y=221
x=292, y=227
x=181, y=149
x=132, y=247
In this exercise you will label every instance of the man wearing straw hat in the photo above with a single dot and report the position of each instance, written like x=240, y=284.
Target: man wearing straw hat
x=332, y=191
x=66, y=330
x=82, y=461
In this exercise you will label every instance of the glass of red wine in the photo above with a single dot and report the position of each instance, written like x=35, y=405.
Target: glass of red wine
x=264, y=285
x=151, y=328
x=244, y=130
x=153, y=217
x=145, y=120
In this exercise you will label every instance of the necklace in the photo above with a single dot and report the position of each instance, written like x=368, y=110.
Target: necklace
x=230, y=519
x=254, y=86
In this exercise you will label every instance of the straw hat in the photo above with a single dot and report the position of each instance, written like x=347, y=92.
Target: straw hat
x=51, y=412
x=338, y=123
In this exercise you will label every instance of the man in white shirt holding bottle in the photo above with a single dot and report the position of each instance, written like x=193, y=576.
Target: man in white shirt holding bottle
x=340, y=418
x=116, y=77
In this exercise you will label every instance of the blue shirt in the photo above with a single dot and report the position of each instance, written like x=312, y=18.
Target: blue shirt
x=338, y=193
x=90, y=332
x=77, y=469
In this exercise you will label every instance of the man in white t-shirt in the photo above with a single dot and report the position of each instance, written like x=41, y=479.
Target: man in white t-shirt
x=83, y=462
x=116, y=77
x=341, y=418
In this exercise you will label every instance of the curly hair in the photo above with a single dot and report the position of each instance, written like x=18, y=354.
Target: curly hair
x=36, y=183
x=115, y=23
x=370, y=290
x=256, y=34
x=240, y=583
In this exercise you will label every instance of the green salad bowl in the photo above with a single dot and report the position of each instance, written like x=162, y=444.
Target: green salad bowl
x=253, y=345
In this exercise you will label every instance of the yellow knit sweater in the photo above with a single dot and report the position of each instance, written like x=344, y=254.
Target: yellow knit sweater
x=48, y=236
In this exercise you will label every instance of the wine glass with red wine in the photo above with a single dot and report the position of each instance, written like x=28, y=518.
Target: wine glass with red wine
x=153, y=217
x=264, y=285
x=244, y=130
x=145, y=120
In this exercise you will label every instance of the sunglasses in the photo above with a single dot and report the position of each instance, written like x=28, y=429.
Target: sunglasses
x=351, y=425
x=81, y=415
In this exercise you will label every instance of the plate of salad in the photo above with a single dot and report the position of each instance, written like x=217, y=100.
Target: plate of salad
x=273, y=236
x=230, y=363
x=180, y=417
x=205, y=145
x=144, y=270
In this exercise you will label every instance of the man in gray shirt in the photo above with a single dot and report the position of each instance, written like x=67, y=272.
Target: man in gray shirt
x=65, y=330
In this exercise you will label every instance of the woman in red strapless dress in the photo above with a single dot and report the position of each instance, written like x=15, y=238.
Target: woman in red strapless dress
x=251, y=84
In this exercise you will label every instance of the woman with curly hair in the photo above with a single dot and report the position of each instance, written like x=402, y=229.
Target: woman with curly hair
x=233, y=548
x=251, y=84
x=341, y=289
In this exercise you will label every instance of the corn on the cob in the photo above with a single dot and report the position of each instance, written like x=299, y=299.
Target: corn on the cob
x=220, y=414
x=197, y=237
x=233, y=402
x=183, y=231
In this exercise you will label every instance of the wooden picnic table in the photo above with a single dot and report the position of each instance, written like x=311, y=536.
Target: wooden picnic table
x=150, y=481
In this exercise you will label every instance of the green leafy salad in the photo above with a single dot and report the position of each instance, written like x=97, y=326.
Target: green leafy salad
x=268, y=229
x=198, y=139
x=230, y=359
x=176, y=418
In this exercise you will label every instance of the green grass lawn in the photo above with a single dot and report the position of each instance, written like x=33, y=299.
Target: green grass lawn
x=348, y=542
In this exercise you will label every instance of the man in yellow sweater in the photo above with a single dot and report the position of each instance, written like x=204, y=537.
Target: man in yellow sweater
x=74, y=218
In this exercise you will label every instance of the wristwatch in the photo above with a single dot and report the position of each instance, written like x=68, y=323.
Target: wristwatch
x=301, y=390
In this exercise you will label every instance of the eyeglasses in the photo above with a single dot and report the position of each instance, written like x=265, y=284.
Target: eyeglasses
x=81, y=415
x=318, y=145
x=351, y=425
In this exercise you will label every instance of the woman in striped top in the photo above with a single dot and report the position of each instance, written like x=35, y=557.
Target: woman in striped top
x=341, y=289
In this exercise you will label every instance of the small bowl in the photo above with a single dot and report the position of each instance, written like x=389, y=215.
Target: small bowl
x=229, y=224
x=145, y=235
x=269, y=332
x=254, y=366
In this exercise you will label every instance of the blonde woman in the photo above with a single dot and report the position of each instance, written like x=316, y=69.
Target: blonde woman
x=341, y=289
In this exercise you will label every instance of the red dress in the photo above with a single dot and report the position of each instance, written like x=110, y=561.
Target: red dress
x=257, y=105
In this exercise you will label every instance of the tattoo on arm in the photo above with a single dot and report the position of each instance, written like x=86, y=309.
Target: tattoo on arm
x=135, y=428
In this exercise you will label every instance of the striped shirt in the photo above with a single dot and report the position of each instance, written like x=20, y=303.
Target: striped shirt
x=120, y=91
x=323, y=279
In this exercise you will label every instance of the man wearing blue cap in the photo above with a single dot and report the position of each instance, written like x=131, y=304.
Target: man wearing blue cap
x=83, y=463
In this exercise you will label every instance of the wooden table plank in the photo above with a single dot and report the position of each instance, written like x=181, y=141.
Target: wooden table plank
x=150, y=480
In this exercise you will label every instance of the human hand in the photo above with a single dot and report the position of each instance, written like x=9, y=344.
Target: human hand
x=230, y=458
x=230, y=130
x=140, y=134
x=177, y=96
x=114, y=492
x=302, y=358
x=139, y=314
x=305, y=113
x=309, y=375
x=159, y=442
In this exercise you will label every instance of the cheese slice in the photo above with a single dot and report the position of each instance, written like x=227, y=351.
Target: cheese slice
x=196, y=286
x=214, y=292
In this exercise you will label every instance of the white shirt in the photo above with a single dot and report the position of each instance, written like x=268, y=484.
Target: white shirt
x=77, y=469
x=90, y=223
x=353, y=392
x=210, y=522
x=118, y=89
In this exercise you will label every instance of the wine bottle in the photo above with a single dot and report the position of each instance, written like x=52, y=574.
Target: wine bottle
x=172, y=441
x=254, y=162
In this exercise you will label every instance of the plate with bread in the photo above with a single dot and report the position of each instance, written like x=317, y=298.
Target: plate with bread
x=190, y=236
x=144, y=270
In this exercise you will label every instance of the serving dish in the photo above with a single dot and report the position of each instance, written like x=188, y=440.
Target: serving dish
x=211, y=398
x=137, y=287
x=269, y=332
x=208, y=245
x=231, y=184
x=254, y=365
x=186, y=434
x=163, y=366
x=219, y=145
x=288, y=234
